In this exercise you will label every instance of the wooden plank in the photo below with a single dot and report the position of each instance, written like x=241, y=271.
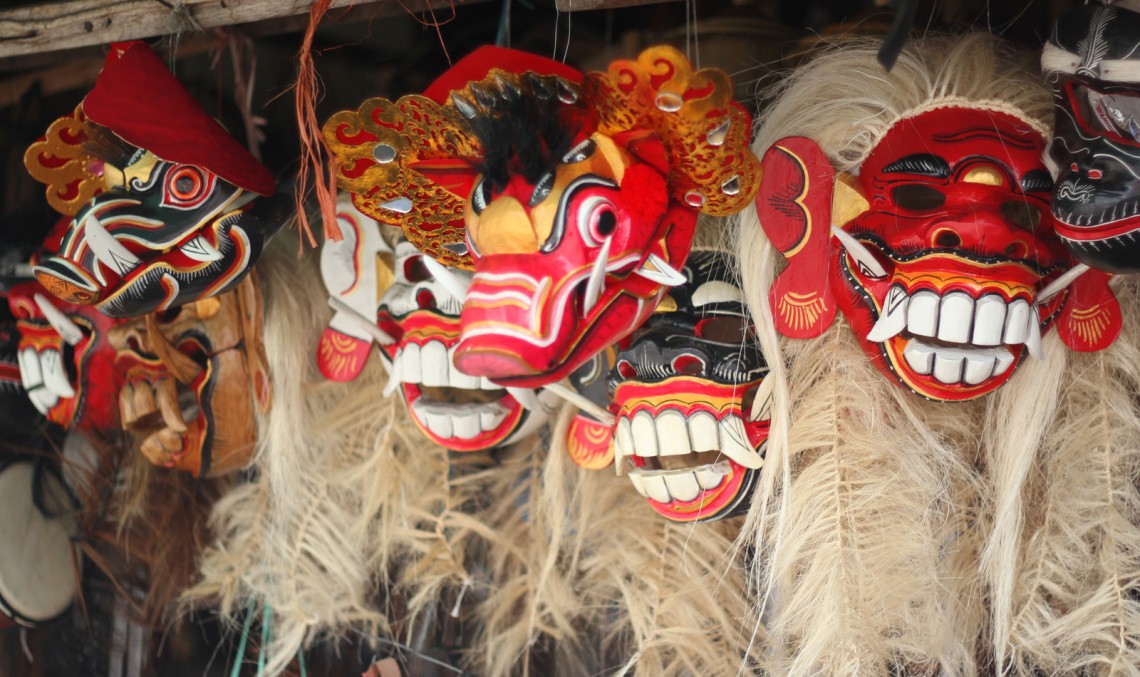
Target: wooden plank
x=68, y=24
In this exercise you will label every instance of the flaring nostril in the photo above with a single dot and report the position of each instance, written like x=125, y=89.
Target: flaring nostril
x=425, y=299
x=627, y=370
x=1017, y=250
x=1095, y=174
x=947, y=239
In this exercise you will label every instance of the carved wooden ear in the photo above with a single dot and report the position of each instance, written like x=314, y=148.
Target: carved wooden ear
x=847, y=201
x=1091, y=318
x=795, y=209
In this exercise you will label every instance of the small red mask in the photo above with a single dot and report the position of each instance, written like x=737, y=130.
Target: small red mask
x=940, y=272
x=65, y=359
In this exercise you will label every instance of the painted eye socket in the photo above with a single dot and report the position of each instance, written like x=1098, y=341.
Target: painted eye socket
x=480, y=196
x=597, y=220
x=1021, y=213
x=186, y=187
x=918, y=197
x=726, y=329
x=415, y=270
x=689, y=365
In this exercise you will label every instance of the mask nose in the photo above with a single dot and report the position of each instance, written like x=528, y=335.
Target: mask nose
x=504, y=228
x=1007, y=230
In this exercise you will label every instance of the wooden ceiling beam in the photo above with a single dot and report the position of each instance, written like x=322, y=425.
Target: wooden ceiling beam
x=70, y=24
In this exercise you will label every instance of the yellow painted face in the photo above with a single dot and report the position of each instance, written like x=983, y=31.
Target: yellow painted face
x=137, y=173
x=521, y=218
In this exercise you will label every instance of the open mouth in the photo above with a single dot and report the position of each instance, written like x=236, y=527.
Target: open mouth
x=454, y=410
x=954, y=338
x=689, y=467
x=953, y=328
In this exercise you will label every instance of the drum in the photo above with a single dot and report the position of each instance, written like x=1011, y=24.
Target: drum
x=37, y=580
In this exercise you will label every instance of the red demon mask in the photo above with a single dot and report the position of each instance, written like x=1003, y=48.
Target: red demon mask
x=575, y=204
x=65, y=359
x=943, y=256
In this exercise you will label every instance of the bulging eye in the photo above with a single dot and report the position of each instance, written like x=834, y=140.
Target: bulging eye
x=415, y=270
x=480, y=196
x=597, y=220
x=918, y=197
x=186, y=186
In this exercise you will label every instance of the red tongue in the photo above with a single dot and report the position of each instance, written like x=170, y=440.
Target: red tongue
x=490, y=363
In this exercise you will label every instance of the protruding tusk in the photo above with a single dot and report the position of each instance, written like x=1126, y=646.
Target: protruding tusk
x=868, y=264
x=656, y=269
x=582, y=402
x=201, y=250
x=55, y=375
x=762, y=403
x=892, y=318
x=454, y=282
x=369, y=327
x=107, y=249
x=61, y=323
x=528, y=398
x=394, y=380
x=1033, y=336
x=1061, y=283
x=597, y=277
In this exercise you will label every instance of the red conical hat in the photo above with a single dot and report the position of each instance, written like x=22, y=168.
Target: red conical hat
x=138, y=99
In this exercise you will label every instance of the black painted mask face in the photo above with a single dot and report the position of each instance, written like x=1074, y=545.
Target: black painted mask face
x=1092, y=62
x=162, y=235
x=683, y=391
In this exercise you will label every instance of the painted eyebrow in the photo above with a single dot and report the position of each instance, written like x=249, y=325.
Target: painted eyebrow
x=1038, y=180
x=923, y=164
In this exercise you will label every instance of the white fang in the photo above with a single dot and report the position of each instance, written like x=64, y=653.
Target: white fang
x=107, y=249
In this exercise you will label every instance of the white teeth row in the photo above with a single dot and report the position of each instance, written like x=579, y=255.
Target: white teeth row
x=671, y=434
x=665, y=486
x=957, y=365
x=432, y=365
x=459, y=421
x=959, y=318
x=44, y=377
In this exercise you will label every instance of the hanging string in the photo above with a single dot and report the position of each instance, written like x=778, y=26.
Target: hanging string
x=434, y=23
x=313, y=166
x=503, y=35
x=266, y=637
x=569, y=18
x=696, y=36
x=236, y=671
